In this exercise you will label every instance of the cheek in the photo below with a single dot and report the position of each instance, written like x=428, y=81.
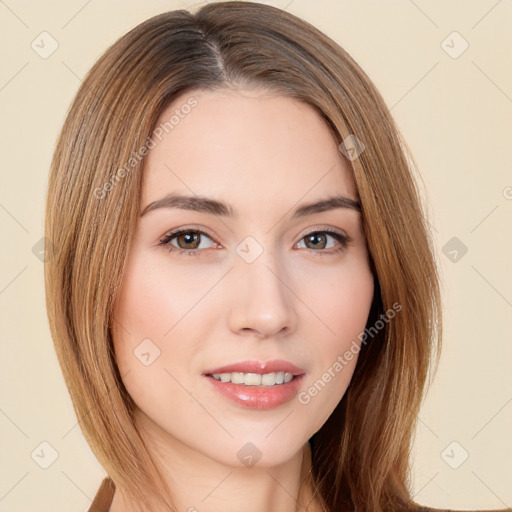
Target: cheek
x=340, y=301
x=157, y=302
x=341, y=308
x=160, y=322
x=154, y=343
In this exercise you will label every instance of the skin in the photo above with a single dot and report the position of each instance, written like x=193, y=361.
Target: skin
x=265, y=155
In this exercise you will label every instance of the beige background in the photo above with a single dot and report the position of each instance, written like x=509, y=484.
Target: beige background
x=456, y=115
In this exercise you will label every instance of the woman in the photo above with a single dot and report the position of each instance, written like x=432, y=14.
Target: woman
x=244, y=299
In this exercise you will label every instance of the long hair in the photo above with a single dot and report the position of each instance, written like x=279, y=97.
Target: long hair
x=360, y=456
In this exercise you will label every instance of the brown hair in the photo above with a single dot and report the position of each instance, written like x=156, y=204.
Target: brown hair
x=360, y=456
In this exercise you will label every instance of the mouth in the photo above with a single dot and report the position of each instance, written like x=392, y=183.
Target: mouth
x=257, y=385
x=255, y=379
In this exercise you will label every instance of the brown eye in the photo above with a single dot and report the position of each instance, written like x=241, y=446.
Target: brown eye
x=188, y=241
x=318, y=241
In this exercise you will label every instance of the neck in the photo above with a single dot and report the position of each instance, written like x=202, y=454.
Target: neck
x=199, y=483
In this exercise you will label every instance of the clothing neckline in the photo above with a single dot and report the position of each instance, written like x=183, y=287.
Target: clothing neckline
x=103, y=499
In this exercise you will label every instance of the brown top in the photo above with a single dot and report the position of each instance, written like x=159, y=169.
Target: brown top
x=105, y=494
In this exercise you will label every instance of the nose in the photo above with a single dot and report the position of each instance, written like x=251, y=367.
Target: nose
x=263, y=302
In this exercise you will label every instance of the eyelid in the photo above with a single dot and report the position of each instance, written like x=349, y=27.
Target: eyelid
x=207, y=233
x=327, y=230
x=177, y=231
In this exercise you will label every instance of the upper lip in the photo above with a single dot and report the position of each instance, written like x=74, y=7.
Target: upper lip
x=262, y=367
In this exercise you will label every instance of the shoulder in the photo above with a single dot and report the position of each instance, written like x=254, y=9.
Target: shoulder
x=416, y=507
x=104, y=496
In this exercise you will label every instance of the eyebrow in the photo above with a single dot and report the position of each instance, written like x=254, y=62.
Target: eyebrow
x=215, y=207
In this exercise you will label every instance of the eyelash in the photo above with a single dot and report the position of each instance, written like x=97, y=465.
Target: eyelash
x=343, y=240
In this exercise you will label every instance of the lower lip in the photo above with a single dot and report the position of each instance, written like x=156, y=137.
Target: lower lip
x=258, y=397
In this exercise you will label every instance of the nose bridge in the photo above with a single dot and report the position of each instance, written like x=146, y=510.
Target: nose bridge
x=263, y=300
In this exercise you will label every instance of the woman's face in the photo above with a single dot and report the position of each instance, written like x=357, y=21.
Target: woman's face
x=265, y=281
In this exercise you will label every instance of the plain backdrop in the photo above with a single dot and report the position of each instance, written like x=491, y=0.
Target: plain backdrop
x=444, y=70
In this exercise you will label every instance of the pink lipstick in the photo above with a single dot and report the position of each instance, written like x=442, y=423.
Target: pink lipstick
x=255, y=384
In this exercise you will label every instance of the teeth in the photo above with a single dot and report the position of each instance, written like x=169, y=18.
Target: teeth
x=254, y=379
x=269, y=379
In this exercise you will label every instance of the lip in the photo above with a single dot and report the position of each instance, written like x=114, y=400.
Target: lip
x=258, y=397
x=253, y=366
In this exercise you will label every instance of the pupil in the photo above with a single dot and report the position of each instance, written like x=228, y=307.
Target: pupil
x=313, y=237
x=190, y=238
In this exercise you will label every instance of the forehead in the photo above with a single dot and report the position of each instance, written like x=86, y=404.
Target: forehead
x=244, y=145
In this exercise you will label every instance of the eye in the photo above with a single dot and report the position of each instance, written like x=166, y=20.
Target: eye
x=318, y=240
x=188, y=241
